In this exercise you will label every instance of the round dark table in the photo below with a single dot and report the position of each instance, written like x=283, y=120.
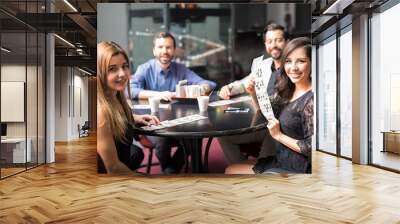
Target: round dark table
x=218, y=123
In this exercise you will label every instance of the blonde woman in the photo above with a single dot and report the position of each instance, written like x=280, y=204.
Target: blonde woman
x=114, y=116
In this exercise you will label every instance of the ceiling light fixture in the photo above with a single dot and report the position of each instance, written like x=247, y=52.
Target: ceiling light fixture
x=70, y=5
x=5, y=50
x=337, y=7
x=84, y=71
x=65, y=41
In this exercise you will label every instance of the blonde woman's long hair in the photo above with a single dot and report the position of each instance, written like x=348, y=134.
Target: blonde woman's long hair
x=117, y=112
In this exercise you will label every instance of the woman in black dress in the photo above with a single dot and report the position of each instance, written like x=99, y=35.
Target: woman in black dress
x=114, y=116
x=293, y=104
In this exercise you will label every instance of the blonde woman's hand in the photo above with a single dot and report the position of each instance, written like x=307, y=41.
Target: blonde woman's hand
x=274, y=128
x=146, y=119
x=225, y=92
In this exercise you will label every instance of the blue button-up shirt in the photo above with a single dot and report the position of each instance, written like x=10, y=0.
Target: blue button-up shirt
x=150, y=76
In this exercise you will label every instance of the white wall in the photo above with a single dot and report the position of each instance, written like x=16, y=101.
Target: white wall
x=33, y=126
x=80, y=98
x=12, y=73
x=61, y=103
x=71, y=93
x=82, y=83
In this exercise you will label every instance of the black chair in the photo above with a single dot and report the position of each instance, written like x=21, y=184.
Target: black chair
x=84, y=130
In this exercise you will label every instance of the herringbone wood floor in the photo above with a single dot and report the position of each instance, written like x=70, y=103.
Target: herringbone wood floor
x=70, y=191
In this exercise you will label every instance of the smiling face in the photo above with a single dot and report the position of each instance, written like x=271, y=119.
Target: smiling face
x=274, y=43
x=118, y=73
x=164, y=50
x=298, y=66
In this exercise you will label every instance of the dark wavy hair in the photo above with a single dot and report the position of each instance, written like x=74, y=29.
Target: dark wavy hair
x=284, y=86
x=273, y=27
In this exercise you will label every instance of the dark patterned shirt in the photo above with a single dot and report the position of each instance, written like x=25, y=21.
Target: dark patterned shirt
x=296, y=121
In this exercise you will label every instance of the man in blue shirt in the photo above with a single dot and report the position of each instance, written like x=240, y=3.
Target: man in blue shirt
x=158, y=77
